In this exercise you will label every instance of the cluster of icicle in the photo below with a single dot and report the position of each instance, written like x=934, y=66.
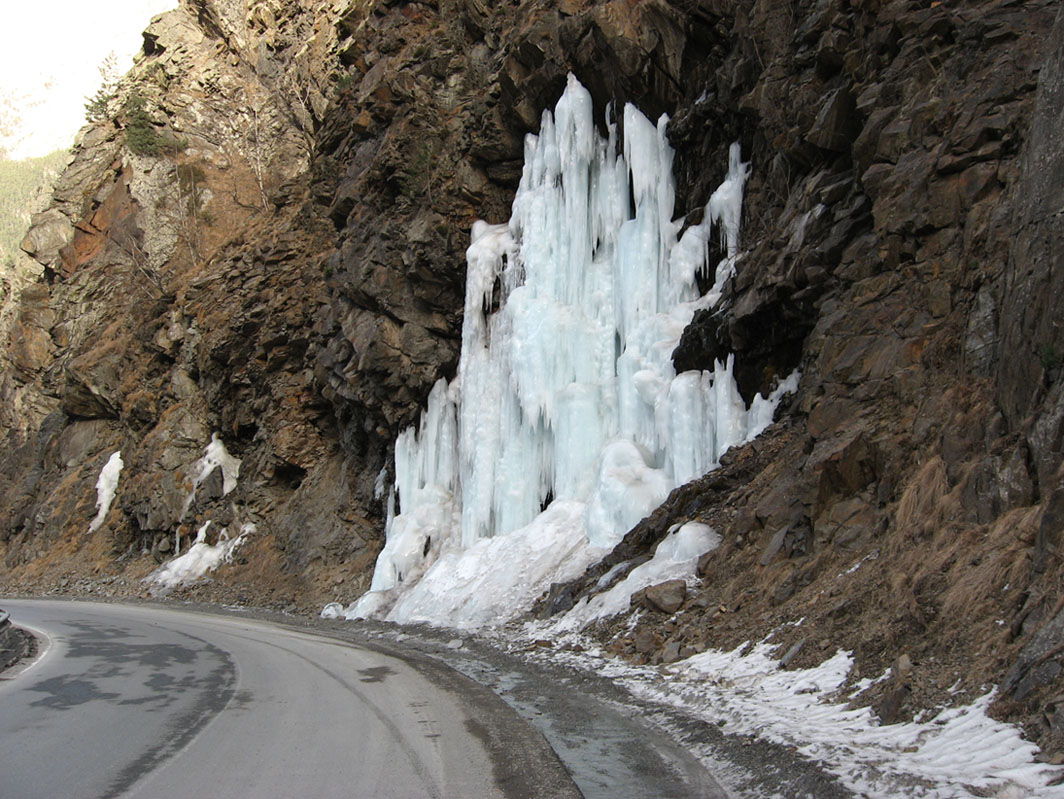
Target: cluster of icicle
x=566, y=423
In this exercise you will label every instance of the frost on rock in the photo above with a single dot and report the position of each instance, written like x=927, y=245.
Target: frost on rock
x=566, y=423
x=200, y=559
x=106, y=486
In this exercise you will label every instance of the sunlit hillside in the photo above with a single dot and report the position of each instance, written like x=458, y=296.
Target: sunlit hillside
x=23, y=189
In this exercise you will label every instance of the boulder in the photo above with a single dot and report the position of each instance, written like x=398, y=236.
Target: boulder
x=666, y=597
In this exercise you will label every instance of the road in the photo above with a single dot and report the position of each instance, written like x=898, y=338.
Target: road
x=131, y=701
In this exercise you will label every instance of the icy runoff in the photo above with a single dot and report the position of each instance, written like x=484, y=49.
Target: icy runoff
x=567, y=423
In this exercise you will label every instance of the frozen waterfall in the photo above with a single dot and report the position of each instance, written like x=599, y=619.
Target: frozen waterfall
x=566, y=423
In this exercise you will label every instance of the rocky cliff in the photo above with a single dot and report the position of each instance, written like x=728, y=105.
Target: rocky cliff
x=264, y=239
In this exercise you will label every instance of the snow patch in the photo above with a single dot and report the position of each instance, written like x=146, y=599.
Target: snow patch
x=215, y=456
x=956, y=753
x=106, y=486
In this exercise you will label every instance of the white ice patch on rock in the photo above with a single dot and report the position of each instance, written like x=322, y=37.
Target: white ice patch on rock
x=106, y=486
x=215, y=456
x=200, y=559
x=334, y=610
x=675, y=558
x=566, y=393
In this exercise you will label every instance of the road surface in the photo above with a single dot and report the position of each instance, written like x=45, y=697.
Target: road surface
x=130, y=701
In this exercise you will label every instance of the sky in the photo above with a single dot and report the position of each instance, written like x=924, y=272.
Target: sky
x=50, y=55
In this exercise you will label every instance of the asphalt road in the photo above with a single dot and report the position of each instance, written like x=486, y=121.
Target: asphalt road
x=146, y=702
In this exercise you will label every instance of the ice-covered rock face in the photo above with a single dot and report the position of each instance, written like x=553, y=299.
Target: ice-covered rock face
x=565, y=391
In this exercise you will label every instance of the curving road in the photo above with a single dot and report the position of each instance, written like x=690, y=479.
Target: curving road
x=145, y=702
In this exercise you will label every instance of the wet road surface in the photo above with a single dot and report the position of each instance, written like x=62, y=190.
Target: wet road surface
x=147, y=702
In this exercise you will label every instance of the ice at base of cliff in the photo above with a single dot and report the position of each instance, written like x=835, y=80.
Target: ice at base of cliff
x=675, y=558
x=566, y=423
x=200, y=560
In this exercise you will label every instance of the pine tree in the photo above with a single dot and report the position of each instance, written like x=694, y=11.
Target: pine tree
x=96, y=106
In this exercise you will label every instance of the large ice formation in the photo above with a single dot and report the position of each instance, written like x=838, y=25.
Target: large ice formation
x=566, y=423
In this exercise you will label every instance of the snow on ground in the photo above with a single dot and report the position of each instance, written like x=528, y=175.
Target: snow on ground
x=106, y=486
x=200, y=559
x=958, y=753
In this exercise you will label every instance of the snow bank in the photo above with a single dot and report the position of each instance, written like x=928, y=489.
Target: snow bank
x=960, y=752
x=957, y=753
x=106, y=486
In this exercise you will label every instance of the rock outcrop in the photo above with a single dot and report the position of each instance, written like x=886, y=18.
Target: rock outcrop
x=264, y=239
x=15, y=643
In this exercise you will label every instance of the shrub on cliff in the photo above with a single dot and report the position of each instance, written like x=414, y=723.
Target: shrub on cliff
x=142, y=134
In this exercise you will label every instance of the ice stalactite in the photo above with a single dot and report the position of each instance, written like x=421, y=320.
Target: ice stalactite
x=567, y=422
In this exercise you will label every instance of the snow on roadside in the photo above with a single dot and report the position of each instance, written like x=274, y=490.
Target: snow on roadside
x=200, y=559
x=959, y=753
x=106, y=486
x=488, y=583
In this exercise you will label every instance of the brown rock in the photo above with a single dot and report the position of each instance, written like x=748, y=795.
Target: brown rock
x=667, y=597
x=647, y=640
x=836, y=123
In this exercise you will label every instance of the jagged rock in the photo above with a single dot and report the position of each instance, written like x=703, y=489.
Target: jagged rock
x=836, y=123
x=30, y=342
x=49, y=232
x=846, y=465
x=1031, y=339
x=671, y=652
x=792, y=653
x=1040, y=662
x=15, y=643
x=891, y=707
